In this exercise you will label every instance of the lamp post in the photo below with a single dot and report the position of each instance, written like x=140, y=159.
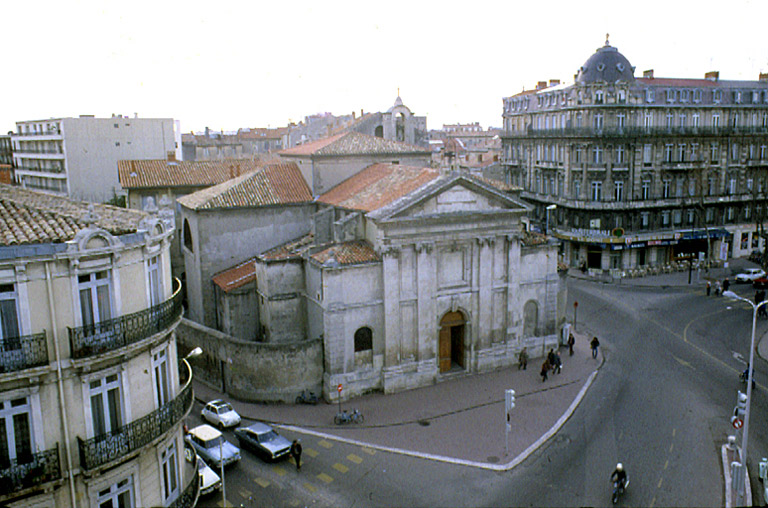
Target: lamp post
x=192, y=354
x=744, y=441
x=549, y=208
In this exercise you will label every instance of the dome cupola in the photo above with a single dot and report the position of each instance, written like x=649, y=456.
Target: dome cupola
x=607, y=65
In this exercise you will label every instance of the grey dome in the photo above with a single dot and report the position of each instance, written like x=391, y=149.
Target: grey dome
x=608, y=65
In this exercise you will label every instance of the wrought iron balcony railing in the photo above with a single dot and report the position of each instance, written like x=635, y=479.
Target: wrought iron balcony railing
x=19, y=353
x=105, y=448
x=25, y=472
x=90, y=340
x=614, y=131
x=188, y=498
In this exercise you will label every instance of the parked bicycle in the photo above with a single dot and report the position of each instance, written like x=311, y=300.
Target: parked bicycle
x=344, y=417
x=307, y=397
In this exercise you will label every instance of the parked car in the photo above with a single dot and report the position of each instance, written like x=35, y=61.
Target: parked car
x=210, y=444
x=220, y=413
x=750, y=274
x=761, y=283
x=209, y=480
x=263, y=440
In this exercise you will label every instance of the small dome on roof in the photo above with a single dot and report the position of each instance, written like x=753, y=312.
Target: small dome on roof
x=608, y=65
x=398, y=101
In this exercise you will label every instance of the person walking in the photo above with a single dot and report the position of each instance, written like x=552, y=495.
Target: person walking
x=571, y=342
x=522, y=359
x=551, y=358
x=558, y=363
x=296, y=453
x=709, y=288
x=544, y=370
x=726, y=284
x=594, y=345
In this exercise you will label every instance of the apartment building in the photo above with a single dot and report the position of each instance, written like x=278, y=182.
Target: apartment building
x=641, y=170
x=77, y=157
x=91, y=395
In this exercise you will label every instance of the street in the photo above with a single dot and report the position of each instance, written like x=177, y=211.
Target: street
x=661, y=404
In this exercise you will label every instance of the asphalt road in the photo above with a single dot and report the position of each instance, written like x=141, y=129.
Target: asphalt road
x=661, y=405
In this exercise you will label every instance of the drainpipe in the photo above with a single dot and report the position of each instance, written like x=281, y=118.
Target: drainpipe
x=60, y=382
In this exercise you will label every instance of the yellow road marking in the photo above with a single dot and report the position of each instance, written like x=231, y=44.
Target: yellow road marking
x=369, y=451
x=671, y=447
x=325, y=478
x=354, y=458
x=659, y=485
x=295, y=502
x=312, y=453
x=666, y=464
x=674, y=431
x=341, y=468
x=225, y=504
x=244, y=493
x=683, y=362
x=325, y=444
x=652, y=502
x=261, y=482
x=310, y=487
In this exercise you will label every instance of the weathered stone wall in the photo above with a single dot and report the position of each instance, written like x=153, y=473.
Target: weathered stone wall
x=253, y=371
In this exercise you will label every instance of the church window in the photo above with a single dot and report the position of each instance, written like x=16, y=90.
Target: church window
x=363, y=339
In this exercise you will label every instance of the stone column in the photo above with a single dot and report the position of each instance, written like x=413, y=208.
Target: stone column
x=484, y=321
x=392, y=331
x=425, y=290
x=513, y=283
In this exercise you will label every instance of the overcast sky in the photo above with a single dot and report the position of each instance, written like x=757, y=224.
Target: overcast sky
x=260, y=63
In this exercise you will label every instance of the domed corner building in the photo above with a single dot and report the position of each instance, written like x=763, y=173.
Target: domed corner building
x=643, y=171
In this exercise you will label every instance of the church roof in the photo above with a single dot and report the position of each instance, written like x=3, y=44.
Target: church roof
x=139, y=174
x=354, y=252
x=236, y=277
x=274, y=184
x=30, y=217
x=352, y=143
x=377, y=185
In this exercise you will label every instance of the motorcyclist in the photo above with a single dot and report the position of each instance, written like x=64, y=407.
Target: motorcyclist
x=619, y=476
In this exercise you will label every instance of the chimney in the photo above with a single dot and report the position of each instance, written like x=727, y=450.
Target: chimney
x=554, y=82
x=170, y=156
x=648, y=74
x=353, y=115
x=541, y=85
x=712, y=75
x=763, y=77
x=361, y=112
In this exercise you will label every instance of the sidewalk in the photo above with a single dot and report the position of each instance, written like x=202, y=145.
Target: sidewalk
x=460, y=420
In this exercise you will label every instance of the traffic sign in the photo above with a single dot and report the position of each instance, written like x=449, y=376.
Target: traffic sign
x=737, y=422
x=338, y=388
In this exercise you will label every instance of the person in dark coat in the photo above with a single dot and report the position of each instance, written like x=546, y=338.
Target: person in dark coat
x=544, y=370
x=296, y=453
x=709, y=288
x=522, y=359
x=726, y=284
x=594, y=345
x=571, y=342
x=558, y=365
x=551, y=357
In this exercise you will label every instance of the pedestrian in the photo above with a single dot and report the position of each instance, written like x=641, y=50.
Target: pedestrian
x=551, y=358
x=522, y=359
x=544, y=370
x=558, y=363
x=759, y=298
x=718, y=289
x=709, y=288
x=571, y=342
x=296, y=453
x=726, y=284
x=594, y=345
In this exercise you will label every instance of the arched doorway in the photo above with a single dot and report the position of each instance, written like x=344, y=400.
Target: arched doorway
x=451, y=341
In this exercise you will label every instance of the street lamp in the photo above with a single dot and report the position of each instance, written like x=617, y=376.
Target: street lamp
x=550, y=207
x=733, y=296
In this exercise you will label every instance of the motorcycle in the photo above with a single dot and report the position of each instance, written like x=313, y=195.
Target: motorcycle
x=307, y=398
x=343, y=417
x=619, y=489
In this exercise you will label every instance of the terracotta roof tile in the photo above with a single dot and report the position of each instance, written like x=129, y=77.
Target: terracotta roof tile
x=138, y=174
x=292, y=249
x=236, y=277
x=352, y=143
x=377, y=186
x=348, y=253
x=274, y=184
x=29, y=217
x=677, y=82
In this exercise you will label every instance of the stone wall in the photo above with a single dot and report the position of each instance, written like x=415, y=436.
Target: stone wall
x=253, y=371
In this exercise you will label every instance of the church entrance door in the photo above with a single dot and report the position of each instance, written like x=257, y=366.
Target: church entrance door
x=451, y=341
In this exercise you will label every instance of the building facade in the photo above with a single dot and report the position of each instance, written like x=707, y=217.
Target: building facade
x=91, y=397
x=641, y=170
x=77, y=157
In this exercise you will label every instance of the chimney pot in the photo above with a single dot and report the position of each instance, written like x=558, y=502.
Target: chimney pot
x=763, y=77
x=541, y=84
x=712, y=75
x=554, y=82
x=648, y=74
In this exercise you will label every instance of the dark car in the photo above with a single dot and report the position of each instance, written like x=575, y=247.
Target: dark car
x=760, y=283
x=263, y=440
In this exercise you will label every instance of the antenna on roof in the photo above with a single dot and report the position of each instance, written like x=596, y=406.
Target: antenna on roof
x=606, y=39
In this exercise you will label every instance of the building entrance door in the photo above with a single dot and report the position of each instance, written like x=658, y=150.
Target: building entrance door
x=451, y=341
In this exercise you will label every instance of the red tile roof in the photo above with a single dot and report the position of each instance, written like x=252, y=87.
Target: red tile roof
x=236, y=277
x=348, y=253
x=352, y=143
x=138, y=174
x=677, y=82
x=263, y=133
x=377, y=186
x=274, y=184
x=289, y=250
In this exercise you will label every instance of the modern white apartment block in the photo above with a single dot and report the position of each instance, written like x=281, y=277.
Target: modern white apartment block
x=92, y=399
x=77, y=157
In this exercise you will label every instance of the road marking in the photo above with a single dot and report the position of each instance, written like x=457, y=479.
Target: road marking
x=325, y=444
x=659, y=485
x=312, y=453
x=325, y=478
x=341, y=468
x=666, y=464
x=671, y=447
x=295, y=502
x=354, y=458
x=652, y=502
x=310, y=487
x=261, y=482
x=245, y=493
x=225, y=503
x=683, y=362
x=369, y=451
x=674, y=431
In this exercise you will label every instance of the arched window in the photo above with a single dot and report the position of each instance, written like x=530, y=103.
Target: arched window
x=530, y=318
x=379, y=131
x=187, y=236
x=363, y=339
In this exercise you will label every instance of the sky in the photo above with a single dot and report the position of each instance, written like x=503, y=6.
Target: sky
x=232, y=64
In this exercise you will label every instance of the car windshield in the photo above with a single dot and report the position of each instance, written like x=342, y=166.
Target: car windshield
x=214, y=442
x=224, y=408
x=268, y=436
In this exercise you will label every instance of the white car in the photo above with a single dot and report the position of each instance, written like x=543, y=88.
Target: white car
x=750, y=274
x=220, y=413
x=209, y=481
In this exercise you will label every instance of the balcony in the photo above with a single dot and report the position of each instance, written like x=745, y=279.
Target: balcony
x=188, y=498
x=630, y=132
x=90, y=340
x=103, y=449
x=24, y=473
x=19, y=353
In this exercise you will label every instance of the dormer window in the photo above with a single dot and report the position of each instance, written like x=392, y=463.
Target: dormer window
x=683, y=95
x=717, y=96
x=599, y=97
x=622, y=96
x=737, y=96
x=697, y=96
x=620, y=66
x=600, y=67
x=649, y=95
x=671, y=94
